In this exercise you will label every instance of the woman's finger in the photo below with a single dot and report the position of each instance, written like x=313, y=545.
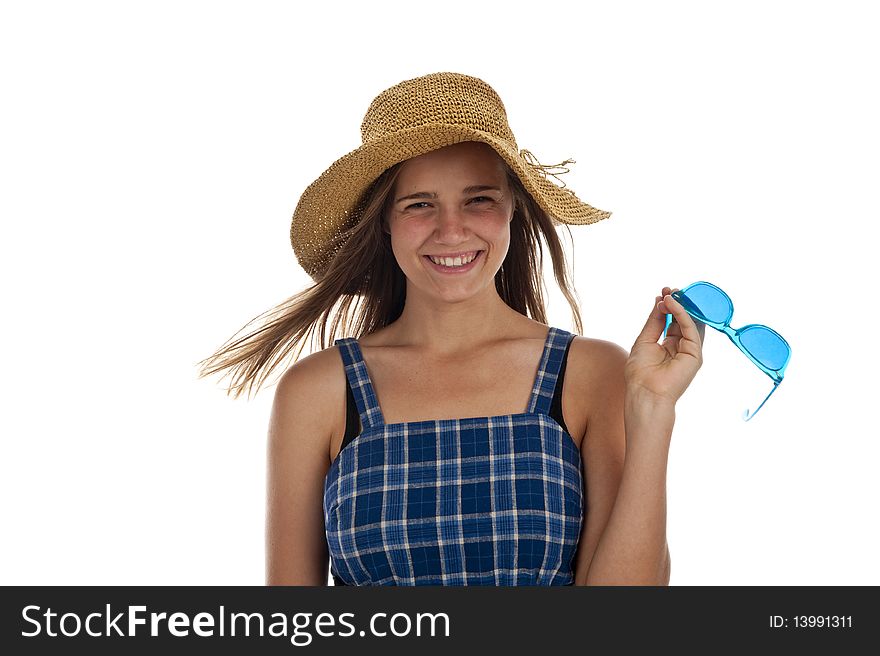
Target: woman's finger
x=701, y=327
x=688, y=327
x=653, y=326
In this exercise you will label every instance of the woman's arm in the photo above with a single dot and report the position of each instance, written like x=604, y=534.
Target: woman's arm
x=633, y=548
x=298, y=459
x=623, y=541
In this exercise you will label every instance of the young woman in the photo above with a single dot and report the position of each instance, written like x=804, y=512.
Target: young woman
x=453, y=437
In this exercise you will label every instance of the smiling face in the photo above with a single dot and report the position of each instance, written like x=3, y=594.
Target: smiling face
x=453, y=202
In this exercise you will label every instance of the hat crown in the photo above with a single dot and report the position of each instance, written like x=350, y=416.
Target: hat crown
x=450, y=98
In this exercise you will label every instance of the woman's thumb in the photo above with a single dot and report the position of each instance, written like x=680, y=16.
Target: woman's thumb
x=654, y=325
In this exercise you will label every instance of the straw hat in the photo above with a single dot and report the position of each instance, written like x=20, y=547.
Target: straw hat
x=409, y=119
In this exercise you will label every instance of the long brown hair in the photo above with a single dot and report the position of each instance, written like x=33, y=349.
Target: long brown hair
x=364, y=288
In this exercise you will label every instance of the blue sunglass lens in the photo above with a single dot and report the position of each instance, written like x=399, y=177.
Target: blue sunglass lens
x=707, y=303
x=765, y=346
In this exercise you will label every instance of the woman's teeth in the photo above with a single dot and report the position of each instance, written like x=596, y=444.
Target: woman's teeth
x=453, y=261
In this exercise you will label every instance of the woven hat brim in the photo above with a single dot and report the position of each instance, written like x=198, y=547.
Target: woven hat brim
x=327, y=205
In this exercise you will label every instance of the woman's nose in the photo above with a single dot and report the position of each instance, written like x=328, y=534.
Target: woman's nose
x=450, y=221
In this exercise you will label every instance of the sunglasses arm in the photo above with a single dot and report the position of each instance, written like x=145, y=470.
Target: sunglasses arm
x=746, y=416
x=668, y=323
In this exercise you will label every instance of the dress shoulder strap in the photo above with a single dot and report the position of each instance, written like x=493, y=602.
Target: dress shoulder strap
x=548, y=370
x=359, y=382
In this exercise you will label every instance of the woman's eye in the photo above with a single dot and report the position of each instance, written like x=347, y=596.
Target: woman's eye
x=476, y=198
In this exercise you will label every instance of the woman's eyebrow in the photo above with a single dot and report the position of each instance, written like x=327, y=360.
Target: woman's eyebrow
x=465, y=191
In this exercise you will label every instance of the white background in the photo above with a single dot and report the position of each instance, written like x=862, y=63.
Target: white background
x=152, y=154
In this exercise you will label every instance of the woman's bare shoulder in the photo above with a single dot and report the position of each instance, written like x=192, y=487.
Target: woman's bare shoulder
x=322, y=368
x=313, y=386
x=591, y=363
x=595, y=347
x=591, y=357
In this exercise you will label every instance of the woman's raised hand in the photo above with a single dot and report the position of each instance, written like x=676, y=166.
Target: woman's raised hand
x=662, y=372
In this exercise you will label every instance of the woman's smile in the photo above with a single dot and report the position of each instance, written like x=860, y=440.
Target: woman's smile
x=458, y=264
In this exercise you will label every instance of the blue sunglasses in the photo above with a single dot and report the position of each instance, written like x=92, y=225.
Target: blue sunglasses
x=765, y=347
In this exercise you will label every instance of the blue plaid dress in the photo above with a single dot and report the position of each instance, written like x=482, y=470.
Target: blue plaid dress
x=476, y=501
